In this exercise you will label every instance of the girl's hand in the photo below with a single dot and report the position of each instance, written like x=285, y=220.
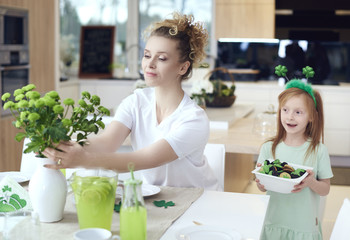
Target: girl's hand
x=305, y=183
x=260, y=186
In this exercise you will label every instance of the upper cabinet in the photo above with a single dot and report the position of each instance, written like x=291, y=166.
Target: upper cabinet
x=245, y=19
x=43, y=40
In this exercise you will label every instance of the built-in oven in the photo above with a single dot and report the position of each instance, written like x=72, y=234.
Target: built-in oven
x=14, y=51
x=12, y=78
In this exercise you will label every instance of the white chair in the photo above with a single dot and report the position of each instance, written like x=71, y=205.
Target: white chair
x=215, y=154
x=341, y=229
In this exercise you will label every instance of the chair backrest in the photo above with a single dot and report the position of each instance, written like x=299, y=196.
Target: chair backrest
x=341, y=229
x=215, y=154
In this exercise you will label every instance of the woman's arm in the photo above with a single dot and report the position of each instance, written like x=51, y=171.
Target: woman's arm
x=319, y=186
x=110, y=139
x=73, y=155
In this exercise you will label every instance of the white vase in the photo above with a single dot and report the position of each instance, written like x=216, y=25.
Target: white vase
x=48, y=192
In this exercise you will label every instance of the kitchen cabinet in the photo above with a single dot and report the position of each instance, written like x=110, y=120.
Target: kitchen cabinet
x=43, y=43
x=245, y=19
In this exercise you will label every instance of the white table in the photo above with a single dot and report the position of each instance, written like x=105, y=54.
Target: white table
x=242, y=212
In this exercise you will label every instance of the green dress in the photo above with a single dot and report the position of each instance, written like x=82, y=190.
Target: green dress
x=294, y=216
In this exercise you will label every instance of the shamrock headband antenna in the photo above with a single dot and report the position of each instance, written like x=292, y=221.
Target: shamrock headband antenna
x=296, y=83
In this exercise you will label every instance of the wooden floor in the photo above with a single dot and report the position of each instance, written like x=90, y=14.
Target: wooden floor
x=333, y=204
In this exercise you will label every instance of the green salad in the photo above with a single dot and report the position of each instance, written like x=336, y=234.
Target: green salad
x=281, y=169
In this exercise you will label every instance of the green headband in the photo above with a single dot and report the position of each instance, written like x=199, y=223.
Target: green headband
x=306, y=87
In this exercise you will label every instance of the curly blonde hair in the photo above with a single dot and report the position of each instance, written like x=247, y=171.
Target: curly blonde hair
x=191, y=36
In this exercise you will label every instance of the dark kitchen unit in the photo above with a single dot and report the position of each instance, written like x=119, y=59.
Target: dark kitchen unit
x=14, y=51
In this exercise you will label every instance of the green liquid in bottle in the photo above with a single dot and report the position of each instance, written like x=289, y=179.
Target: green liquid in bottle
x=133, y=222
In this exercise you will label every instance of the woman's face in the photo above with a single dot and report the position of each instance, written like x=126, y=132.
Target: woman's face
x=295, y=116
x=161, y=62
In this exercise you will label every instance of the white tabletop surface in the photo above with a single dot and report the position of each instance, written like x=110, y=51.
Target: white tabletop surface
x=244, y=213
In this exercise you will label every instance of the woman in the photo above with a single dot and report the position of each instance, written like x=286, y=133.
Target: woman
x=168, y=130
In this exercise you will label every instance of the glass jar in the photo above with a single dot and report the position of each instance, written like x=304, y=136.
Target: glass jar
x=133, y=214
x=265, y=123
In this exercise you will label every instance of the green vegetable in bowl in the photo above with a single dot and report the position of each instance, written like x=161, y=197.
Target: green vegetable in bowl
x=280, y=169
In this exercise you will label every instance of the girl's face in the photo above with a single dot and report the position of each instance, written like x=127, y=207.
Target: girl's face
x=160, y=63
x=295, y=116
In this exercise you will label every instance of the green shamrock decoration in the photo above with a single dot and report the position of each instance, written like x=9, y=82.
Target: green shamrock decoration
x=6, y=188
x=308, y=72
x=163, y=203
x=281, y=71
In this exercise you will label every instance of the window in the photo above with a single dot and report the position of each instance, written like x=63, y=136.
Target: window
x=130, y=18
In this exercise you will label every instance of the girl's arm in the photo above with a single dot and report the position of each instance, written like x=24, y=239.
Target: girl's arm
x=319, y=186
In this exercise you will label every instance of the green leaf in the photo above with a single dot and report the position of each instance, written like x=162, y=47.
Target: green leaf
x=163, y=203
x=117, y=206
x=20, y=136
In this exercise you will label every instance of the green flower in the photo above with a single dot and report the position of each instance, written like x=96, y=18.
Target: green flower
x=5, y=96
x=95, y=100
x=19, y=97
x=104, y=110
x=23, y=104
x=281, y=70
x=86, y=94
x=23, y=115
x=33, y=117
x=66, y=122
x=49, y=101
x=18, y=92
x=53, y=94
x=32, y=103
x=39, y=103
x=68, y=102
x=58, y=109
x=33, y=95
x=9, y=104
x=18, y=124
x=29, y=87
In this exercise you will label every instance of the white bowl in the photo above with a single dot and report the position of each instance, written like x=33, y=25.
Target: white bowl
x=279, y=184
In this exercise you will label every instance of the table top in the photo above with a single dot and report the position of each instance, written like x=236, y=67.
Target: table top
x=241, y=212
x=244, y=213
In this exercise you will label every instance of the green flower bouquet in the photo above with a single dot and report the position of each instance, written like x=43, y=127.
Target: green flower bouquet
x=47, y=120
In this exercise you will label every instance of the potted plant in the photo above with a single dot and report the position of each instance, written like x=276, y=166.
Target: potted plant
x=223, y=94
x=46, y=120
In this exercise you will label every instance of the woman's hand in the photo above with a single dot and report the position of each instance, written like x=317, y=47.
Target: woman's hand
x=307, y=182
x=67, y=155
x=260, y=186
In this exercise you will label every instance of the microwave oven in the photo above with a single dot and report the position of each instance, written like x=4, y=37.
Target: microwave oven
x=14, y=45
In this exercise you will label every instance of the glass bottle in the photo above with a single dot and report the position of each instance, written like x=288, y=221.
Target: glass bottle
x=133, y=214
x=265, y=123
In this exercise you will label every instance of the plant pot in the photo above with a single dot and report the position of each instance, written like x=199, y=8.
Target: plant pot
x=48, y=192
x=221, y=101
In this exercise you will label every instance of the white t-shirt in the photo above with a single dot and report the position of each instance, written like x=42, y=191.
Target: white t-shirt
x=186, y=130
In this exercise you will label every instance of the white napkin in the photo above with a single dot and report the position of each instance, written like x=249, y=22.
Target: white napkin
x=13, y=196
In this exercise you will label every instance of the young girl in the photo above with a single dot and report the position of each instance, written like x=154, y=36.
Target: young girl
x=168, y=131
x=300, y=130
